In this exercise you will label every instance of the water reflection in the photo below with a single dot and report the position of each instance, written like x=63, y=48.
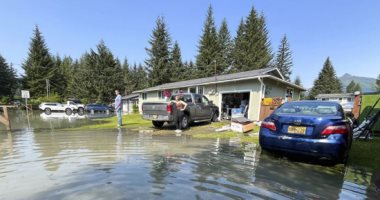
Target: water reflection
x=121, y=164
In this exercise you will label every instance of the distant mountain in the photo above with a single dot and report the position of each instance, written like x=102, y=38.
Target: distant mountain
x=367, y=84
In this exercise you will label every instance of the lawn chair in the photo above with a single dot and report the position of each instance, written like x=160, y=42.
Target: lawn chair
x=363, y=131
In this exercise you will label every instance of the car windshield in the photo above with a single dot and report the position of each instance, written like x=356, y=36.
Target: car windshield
x=308, y=108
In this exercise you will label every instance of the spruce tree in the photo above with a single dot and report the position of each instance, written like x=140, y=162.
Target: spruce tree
x=207, y=60
x=8, y=79
x=357, y=87
x=283, y=59
x=191, y=71
x=378, y=83
x=158, y=63
x=177, y=66
x=297, y=81
x=327, y=81
x=226, y=46
x=351, y=87
x=39, y=66
x=252, y=47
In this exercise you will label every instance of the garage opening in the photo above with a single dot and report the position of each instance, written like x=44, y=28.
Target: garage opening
x=235, y=105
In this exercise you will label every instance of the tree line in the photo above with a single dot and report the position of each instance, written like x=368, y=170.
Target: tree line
x=98, y=72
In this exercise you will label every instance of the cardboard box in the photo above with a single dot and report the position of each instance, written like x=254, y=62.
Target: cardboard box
x=241, y=125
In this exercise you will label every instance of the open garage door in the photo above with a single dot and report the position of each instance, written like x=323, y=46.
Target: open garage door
x=235, y=100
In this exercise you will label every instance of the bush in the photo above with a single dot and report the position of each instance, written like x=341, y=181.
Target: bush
x=135, y=108
x=5, y=100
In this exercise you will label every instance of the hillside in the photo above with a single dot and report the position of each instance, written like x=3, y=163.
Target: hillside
x=367, y=84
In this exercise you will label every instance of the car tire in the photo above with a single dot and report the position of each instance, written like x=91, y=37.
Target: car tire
x=214, y=117
x=80, y=110
x=185, y=122
x=68, y=111
x=47, y=111
x=158, y=124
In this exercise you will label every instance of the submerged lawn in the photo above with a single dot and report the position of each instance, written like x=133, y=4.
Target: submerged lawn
x=365, y=153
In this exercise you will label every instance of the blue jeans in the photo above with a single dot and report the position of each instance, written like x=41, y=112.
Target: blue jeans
x=119, y=116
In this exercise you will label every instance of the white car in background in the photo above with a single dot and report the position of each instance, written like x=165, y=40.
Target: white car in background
x=68, y=108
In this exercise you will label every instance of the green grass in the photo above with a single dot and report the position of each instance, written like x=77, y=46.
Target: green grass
x=365, y=154
x=129, y=121
x=367, y=102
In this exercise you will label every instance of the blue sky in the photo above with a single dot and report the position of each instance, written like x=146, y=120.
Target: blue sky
x=346, y=31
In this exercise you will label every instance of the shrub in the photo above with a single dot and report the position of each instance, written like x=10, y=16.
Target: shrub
x=135, y=108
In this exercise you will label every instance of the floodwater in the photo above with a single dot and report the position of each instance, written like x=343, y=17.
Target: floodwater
x=39, y=161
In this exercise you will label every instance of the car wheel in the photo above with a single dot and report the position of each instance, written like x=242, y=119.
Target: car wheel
x=157, y=124
x=214, y=117
x=80, y=110
x=185, y=121
x=68, y=111
x=47, y=111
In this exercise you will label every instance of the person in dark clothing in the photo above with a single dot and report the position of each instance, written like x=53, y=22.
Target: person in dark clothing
x=181, y=106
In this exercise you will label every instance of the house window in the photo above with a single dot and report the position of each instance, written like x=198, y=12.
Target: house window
x=200, y=89
x=144, y=96
x=161, y=95
x=340, y=99
x=289, y=93
x=193, y=90
x=349, y=99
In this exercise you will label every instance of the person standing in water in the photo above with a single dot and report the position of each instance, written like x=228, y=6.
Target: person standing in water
x=181, y=106
x=118, y=108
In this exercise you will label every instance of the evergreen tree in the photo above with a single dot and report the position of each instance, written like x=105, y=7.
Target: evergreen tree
x=127, y=77
x=297, y=81
x=8, y=79
x=98, y=75
x=327, y=81
x=176, y=64
x=207, y=60
x=357, y=87
x=378, y=83
x=283, y=59
x=351, y=87
x=158, y=63
x=252, y=47
x=39, y=66
x=191, y=71
x=226, y=46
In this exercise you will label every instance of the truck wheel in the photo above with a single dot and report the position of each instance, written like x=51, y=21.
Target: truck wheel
x=214, y=117
x=68, y=111
x=47, y=111
x=185, y=122
x=157, y=124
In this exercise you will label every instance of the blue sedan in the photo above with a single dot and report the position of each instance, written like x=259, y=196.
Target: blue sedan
x=315, y=128
x=96, y=107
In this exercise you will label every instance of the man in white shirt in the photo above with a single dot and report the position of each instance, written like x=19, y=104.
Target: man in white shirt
x=118, y=108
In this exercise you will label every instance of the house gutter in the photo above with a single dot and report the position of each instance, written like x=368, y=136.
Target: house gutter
x=262, y=94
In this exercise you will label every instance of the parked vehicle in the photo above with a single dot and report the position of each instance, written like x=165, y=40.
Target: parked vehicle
x=315, y=128
x=199, y=108
x=69, y=107
x=96, y=107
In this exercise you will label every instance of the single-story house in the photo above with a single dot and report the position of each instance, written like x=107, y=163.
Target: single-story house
x=129, y=101
x=342, y=98
x=231, y=90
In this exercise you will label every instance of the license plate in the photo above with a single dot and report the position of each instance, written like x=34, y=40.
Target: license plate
x=154, y=116
x=297, y=129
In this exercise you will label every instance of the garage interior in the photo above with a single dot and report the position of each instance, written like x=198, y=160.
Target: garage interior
x=238, y=100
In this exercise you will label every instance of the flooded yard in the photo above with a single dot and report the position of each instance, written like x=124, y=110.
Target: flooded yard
x=39, y=161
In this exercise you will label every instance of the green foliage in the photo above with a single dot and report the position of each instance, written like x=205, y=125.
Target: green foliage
x=367, y=102
x=177, y=67
x=351, y=87
x=297, y=81
x=226, y=46
x=327, y=81
x=283, y=59
x=378, y=83
x=97, y=75
x=252, y=46
x=135, y=109
x=158, y=63
x=5, y=100
x=39, y=66
x=8, y=79
x=208, y=57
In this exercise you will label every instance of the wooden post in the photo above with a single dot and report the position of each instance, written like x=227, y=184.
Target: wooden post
x=357, y=104
x=5, y=119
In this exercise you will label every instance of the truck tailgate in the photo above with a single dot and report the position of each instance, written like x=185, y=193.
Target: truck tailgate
x=154, y=109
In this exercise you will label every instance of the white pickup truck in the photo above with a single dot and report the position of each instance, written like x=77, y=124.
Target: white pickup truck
x=68, y=108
